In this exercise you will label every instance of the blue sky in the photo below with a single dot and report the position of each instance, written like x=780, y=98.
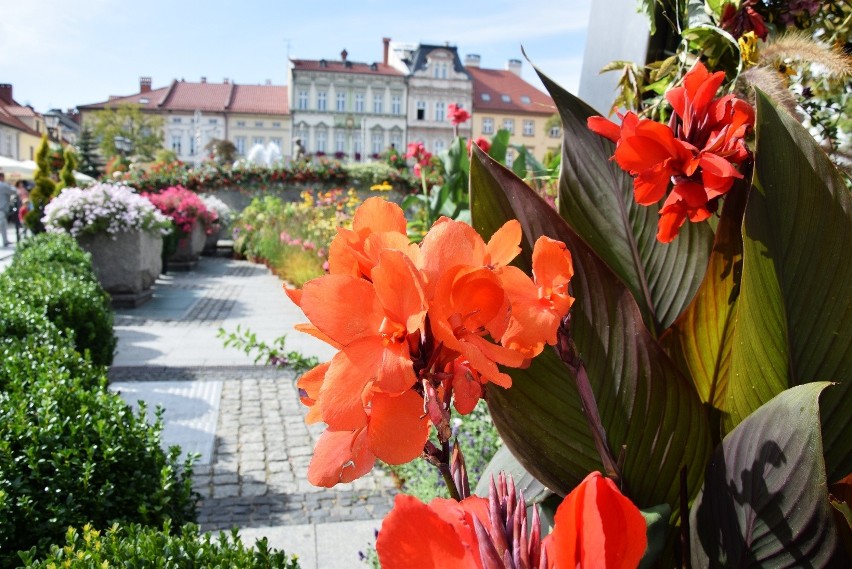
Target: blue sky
x=57, y=53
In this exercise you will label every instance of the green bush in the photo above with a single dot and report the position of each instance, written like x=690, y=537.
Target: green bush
x=50, y=250
x=68, y=301
x=72, y=453
x=137, y=546
x=19, y=320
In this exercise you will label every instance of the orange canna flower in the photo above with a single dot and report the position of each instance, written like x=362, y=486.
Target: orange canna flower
x=440, y=535
x=595, y=526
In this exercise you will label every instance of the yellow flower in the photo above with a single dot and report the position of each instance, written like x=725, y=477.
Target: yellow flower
x=748, y=48
x=383, y=187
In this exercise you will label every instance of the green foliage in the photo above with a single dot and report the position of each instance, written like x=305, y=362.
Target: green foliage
x=54, y=275
x=44, y=189
x=66, y=175
x=274, y=354
x=165, y=156
x=224, y=151
x=366, y=174
x=134, y=545
x=87, y=153
x=144, y=131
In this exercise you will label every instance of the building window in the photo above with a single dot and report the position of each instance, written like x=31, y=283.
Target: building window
x=510, y=158
x=176, y=120
x=241, y=123
x=439, y=146
x=396, y=104
x=440, y=111
x=378, y=104
x=301, y=133
x=258, y=140
x=486, y=97
x=421, y=110
x=487, y=126
x=359, y=102
x=240, y=143
x=213, y=121
x=341, y=102
x=396, y=140
x=378, y=141
x=302, y=101
x=176, y=140
x=340, y=141
x=192, y=146
x=276, y=140
x=506, y=98
x=358, y=146
x=258, y=124
x=440, y=69
x=525, y=100
x=509, y=124
x=554, y=132
x=276, y=125
x=529, y=128
x=321, y=140
x=322, y=103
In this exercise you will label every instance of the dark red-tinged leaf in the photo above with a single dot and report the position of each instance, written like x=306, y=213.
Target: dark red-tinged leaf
x=596, y=199
x=646, y=405
x=765, y=501
x=794, y=314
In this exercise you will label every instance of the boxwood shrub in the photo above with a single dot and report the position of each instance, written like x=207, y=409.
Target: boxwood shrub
x=137, y=546
x=72, y=453
x=55, y=276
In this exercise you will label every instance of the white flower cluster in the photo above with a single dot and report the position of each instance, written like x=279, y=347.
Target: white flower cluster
x=100, y=208
x=224, y=213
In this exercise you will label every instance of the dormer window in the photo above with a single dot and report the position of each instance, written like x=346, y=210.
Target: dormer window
x=525, y=100
x=486, y=97
x=374, y=66
x=144, y=101
x=506, y=98
x=323, y=63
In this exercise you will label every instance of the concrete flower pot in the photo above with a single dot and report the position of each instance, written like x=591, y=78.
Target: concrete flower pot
x=126, y=264
x=189, y=247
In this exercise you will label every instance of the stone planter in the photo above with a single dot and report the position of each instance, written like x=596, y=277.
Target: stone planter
x=189, y=247
x=127, y=264
x=211, y=243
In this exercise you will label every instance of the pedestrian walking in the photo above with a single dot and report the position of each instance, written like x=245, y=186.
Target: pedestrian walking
x=7, y=192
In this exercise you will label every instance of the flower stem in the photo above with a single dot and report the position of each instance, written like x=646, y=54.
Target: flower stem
x=426, y=198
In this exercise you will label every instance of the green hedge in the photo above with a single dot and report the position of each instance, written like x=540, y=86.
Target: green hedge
x=137, y=546
x=51, y=273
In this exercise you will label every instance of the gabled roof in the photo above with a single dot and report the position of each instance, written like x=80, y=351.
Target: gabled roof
x=9, y=117
x=338, y=66
x=211, y=97
x=497, y=83
x=420, y=57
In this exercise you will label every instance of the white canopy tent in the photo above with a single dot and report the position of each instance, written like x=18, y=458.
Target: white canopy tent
x=15, y=169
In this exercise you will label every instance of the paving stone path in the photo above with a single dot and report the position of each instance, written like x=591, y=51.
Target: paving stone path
x=246, y=420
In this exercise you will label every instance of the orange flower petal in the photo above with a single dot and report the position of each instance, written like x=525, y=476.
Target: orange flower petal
x=467, y=388
x=344, y=392
x=449, y=244
x=604, y=127
x=596, y=526
x=340, y=456
x=552, y=265
x=313, y=331
x=413, y=536
x=376, y=215
x=399, y=288
x=310, y=383
x=503, y=246
x=294, y=294
x=398, y=428
x=342, y=257
x=343, y=307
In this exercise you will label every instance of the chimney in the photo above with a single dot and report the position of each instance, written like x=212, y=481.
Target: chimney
x=268, y=82
x=514, y=65
x=471, y=60
x=343, y=54
x=225, y=80
x=6, y=93
x=204, y=79
x=144, y=84
x=386, y=42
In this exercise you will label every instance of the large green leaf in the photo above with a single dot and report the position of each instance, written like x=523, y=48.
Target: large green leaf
x=794, y=315
x=596, y=199
x=646, y=405
x=765, y=500
x=701, y=336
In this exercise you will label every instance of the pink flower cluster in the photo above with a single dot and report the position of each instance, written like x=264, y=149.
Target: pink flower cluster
x=185, y=208
x=305, y=244
x=421, y=156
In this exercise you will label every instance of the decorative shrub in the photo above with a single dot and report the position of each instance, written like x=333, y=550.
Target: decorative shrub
x=185, y=208
x=72, y=454
x=137, y=546
x=102, y=208
x=224, y=213
x=55, y=280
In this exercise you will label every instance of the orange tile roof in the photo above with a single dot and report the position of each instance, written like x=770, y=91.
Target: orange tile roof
x=498, y=82
x=8, y=117
x=20, y=111
x=342, y=67
x=210, y=97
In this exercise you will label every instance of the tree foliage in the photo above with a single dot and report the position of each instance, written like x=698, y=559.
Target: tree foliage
x=87, y=153
x=127, y=120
